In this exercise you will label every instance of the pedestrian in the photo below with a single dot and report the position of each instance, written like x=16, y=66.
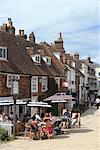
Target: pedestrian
x=97, y=101
x=11, y=116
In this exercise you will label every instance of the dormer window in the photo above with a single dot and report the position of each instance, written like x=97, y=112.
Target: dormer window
x=36, y=58
x=3, y=53
x=48, y=60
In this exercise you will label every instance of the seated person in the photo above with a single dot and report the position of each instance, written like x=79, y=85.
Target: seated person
x=27, y=129
x=46, y=116
x=48, y=129
x=69, y=119
x=34, y=129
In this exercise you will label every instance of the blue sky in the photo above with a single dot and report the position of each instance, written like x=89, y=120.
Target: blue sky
x=78, y=20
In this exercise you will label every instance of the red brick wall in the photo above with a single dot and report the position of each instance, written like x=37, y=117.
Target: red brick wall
x=24, y=87
x=62, y=88
x=4, y=91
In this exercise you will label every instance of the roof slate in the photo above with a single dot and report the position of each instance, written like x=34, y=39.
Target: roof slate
x=17, y=55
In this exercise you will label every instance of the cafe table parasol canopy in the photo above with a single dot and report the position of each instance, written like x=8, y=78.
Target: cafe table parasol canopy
x=39, y=104
x=59, y=98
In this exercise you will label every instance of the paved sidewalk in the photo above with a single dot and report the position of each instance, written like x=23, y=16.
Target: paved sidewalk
x=85, y=138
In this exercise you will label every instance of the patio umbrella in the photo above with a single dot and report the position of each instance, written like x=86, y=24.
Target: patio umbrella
x=59, y=97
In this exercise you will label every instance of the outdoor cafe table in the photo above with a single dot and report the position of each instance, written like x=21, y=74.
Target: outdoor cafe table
x=7, y=126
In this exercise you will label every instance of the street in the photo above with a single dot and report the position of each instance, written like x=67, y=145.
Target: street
x=84, y=138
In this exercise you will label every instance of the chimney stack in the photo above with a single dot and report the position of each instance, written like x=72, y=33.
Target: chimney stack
x=32, y=38
x=68, y=56
x=76, y=56
x=9, y=22
x=59, y=43
x=21, y=33
x=10, y=27
x=3, y=27
x=60, y=35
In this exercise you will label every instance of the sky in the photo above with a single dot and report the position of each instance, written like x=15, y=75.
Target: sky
x=78, y=20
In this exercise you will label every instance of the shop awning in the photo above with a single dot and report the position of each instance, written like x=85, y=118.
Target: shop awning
x=39, y=104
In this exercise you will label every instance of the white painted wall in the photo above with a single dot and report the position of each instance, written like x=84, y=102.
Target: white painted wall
x=98, y=79
x=57, y=54
x=84, y=70
x=70, y=78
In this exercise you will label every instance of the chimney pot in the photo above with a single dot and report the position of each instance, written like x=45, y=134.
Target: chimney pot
x=9, y=22
x=32, y=38
x=76, y=56
x=19, y=32
x=60, y=35
x=22, y=32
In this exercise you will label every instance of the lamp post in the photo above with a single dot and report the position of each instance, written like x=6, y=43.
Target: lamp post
x=15, y=92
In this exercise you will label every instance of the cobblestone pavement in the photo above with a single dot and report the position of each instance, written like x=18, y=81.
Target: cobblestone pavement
x=85, y=138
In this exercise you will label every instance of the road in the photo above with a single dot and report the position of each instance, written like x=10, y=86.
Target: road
x=85, y=138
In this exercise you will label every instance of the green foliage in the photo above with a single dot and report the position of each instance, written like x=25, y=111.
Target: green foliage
x=3, y=135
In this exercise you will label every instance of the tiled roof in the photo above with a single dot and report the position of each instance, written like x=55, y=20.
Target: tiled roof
x=57, y=66
x=17, y=55
x=8, y=67
x=19, y=61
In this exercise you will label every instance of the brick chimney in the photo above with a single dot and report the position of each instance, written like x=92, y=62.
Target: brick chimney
x=10, y=27
x=60, y=35
x=76, y=56
x=9, y=23
x=32, y=38
x=3, y=27
x=59, y=43
x=21, y=34
x=67, y=56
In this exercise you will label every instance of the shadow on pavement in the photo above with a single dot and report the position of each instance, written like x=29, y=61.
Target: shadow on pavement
x=61, y=136
x=80, y=130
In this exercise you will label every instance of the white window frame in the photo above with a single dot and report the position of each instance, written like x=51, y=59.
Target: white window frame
x=3, y=53
x=34, y=84
x=9, y=81
x=48, y=60
x=10, y=77
x=44, y=84
x=57, y=79
x=37, y=58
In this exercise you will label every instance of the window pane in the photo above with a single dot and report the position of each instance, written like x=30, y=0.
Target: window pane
x=4, y=54
x=0, y=52
x=9, y=81
x=34, y=84
x=44, y=84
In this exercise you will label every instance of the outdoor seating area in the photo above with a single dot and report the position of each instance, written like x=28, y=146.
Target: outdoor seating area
x=48, y=126
x=40, y=126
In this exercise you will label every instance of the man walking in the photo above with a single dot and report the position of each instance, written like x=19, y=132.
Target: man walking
x=97, y=101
